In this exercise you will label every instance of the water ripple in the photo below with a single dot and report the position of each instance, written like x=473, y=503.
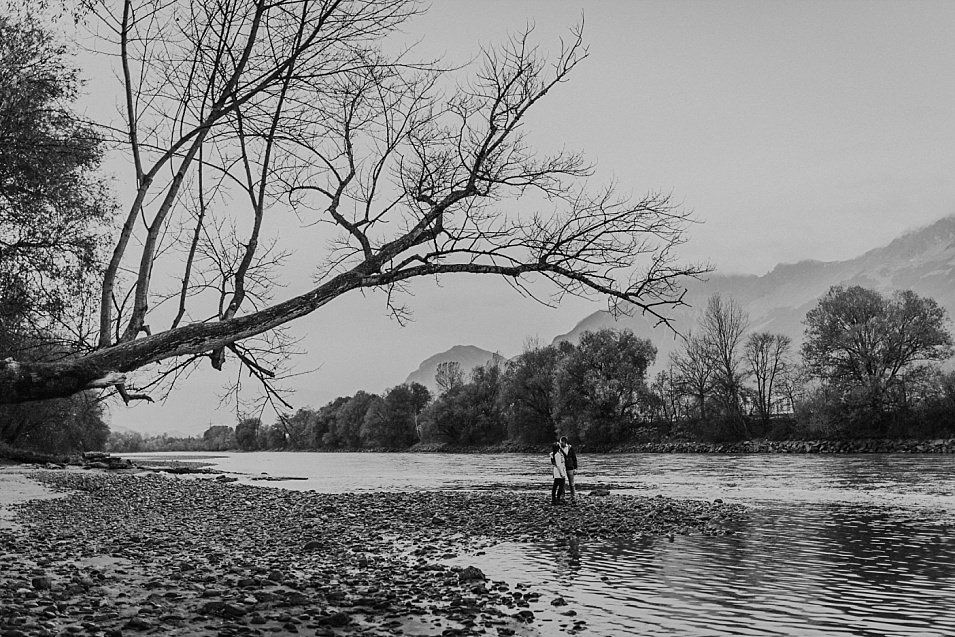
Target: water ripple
x=807, y=570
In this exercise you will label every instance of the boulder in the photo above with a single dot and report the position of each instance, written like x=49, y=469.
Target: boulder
x=42, y=582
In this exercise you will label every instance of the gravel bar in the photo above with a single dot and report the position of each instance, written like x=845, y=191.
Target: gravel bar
x=130, y=554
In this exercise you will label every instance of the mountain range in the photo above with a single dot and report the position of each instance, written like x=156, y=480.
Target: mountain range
x=922, y=260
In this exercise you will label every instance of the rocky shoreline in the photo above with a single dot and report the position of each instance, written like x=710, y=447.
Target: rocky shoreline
x=760, y=445
x=130, y=553
x=875, y=445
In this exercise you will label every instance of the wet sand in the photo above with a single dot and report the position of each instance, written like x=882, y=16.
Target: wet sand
x=16, y=487
x=126, y=553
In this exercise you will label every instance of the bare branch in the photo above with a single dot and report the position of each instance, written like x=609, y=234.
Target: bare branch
x=239, y=111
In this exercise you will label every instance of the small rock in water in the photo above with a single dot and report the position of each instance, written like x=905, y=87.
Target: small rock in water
x=471, y=573
x=525, y=615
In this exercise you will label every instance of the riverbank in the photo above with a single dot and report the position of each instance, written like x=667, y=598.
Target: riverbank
x=131, y=553
x=874, y=445
x=762, y=445
x=765, y=446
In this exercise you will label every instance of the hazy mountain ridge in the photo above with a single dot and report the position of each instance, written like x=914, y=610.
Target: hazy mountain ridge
x=469, y=356
x=922, y=260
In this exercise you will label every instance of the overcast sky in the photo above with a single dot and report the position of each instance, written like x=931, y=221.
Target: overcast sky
x=793, y=130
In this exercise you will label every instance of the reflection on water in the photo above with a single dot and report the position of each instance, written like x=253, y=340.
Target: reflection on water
x=834, y=545
x=807, y=570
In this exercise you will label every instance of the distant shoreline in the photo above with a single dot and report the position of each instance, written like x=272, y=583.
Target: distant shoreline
x=941, y=446
x=862, y=446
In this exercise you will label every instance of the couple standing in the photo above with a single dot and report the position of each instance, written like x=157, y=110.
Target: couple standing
x=564, y=460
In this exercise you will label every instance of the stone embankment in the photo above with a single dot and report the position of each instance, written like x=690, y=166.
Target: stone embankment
x=874, y=445
x=127, y=554
x=796, y=446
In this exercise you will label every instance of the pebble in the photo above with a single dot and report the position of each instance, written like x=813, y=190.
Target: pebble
x=158, y=554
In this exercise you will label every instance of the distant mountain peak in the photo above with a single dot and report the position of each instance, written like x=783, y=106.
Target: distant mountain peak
x=918, y=243
x=468, y=356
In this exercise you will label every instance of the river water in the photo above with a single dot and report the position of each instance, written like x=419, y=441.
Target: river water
x=833, y=545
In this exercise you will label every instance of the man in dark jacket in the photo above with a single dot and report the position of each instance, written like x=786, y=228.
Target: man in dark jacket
x=570, y=461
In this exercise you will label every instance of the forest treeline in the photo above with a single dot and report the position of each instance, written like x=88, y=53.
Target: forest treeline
x=870, y=367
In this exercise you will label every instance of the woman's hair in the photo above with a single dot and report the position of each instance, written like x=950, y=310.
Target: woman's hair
x=555, y=448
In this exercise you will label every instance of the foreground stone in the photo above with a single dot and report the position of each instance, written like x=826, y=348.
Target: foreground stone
x=152, y=554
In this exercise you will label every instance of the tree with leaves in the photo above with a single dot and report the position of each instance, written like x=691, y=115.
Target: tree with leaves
x=54, y=210
x=469, y=413
x=219, y=438
x=864, y=343
x=530, y=393
x=54, y=206
x=67, y=425
x=602, y=385
x=247, y=433
x=392, y=421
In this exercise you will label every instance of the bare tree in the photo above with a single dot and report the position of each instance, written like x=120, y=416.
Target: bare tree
x=237, y=111
x=693, y=368
x=723, y=325
x=669, y=399
x=766, y=355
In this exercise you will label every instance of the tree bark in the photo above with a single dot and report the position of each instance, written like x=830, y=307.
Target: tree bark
x=25, y=382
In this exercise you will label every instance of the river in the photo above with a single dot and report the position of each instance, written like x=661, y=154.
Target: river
x=833, y=545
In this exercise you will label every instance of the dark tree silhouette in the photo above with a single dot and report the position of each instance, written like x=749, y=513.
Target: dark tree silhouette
x=864, y=342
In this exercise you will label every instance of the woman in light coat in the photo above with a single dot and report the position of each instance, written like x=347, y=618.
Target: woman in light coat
x=560, y=475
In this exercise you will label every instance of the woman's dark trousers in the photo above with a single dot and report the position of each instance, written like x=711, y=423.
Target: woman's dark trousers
x=557, y=491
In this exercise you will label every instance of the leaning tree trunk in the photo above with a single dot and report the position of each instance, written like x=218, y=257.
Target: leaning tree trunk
x=23, y=382
x=26, y=381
